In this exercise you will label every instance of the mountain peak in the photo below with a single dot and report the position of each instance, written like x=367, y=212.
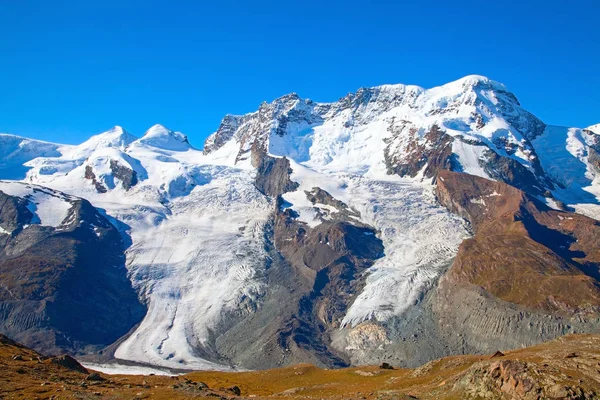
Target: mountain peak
x=594, y=128
x=162, y=137
x=475, y=80
x=114, y=137
x=157, y=130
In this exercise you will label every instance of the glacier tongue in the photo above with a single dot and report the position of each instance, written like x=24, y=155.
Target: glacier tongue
x=203, y=259
x=420, y=238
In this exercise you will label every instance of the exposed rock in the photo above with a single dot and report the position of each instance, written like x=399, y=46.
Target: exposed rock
x=272, y=174
x=70, y=363
x=594, y=159
x=94, y=376
x=127, y=176
x=342, y=211
x=13, y=212
x=253, y=130
x=89, y=174
x=407, y=154
x=514, y=379
x=235, y=390
x=385, y=365
x=508, y=170
x=335, y=254
x=224, y=133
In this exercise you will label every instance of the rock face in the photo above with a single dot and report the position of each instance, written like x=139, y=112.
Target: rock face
x=272, y=174
x=89, y=174
x=513, y=379
x=127, y=176
x=334, y=257
x=64, y=286
x=407, y=158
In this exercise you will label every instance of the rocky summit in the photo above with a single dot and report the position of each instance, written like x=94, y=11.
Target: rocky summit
x=397, y=225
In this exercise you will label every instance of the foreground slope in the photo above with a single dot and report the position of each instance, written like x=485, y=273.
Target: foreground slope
x=565, y=368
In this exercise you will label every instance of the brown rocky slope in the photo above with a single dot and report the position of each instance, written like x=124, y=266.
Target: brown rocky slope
x=523, y=252
x=566, y=368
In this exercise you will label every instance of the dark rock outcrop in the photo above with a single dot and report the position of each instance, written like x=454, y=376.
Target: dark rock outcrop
x=334, y=255
x=342, y=211
x=272, y=174
x=13, y=212
x=89, y=174
x=127, y=176
x=70, y=363
x=319, y=271
x=510, y=171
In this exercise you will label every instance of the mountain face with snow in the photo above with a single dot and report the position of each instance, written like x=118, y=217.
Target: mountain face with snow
x=333, y=233
x=62, y=268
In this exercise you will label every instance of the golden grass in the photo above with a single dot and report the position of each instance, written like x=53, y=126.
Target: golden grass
x=32, y=379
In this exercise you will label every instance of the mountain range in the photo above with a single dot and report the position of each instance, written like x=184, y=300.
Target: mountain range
x=397, y=224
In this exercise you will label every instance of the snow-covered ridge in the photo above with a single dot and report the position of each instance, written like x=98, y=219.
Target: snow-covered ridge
x=594, y=128
x=49, y=207
x=161, y=137
x=352, y=132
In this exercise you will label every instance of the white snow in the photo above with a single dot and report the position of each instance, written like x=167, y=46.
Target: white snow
x=195, y=264
x=420, y=239
x=563, y=154
x=163, y=138
x=469, y=157
x=480, y=202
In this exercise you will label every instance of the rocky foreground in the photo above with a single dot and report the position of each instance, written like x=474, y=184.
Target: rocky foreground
x=565, y=368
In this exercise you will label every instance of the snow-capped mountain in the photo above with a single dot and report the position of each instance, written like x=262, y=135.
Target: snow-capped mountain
x=305, y=231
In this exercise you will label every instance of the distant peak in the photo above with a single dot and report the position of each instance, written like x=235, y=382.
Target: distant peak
x=162, y=137
x=117, y=129
x=594, y=128
x=471, y=81
x=114, y=137
x=286, y=100
x=158, y=130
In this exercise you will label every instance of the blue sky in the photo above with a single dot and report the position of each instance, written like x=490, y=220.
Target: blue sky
x=70, y=69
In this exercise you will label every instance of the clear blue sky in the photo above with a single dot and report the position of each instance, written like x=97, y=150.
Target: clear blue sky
x=70, y=69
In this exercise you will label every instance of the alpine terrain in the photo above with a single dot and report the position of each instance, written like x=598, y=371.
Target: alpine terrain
x=398, y=224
